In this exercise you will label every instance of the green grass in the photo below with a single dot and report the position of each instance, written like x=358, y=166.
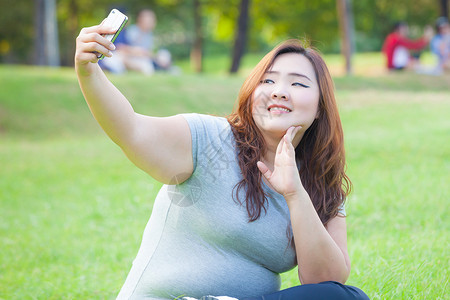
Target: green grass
x=73, y=208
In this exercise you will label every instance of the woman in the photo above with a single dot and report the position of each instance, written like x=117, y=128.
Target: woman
x=245, y=198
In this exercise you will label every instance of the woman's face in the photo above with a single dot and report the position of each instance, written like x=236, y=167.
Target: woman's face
x=288, y=95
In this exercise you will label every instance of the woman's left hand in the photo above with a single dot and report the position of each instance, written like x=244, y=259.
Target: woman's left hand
x=284, y=178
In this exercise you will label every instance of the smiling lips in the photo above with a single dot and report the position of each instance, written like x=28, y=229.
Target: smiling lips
x=278, y=109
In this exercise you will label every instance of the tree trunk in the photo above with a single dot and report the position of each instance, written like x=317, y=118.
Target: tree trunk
x=39, y=44
x=346, y=28
x=73, y=26
x=241, y=36
x=197, y=47
x=46, y=33
x=444, y=8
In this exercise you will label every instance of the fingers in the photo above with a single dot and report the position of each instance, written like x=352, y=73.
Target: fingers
x=296, y=130
x=292, y=132
x=87, y=57
x=285, y=144
x=289, y=150
x=96, y=47
x=289, y=137
x=95, y=37
x=100, y=29
x=264, y=169
x=90, y=42
x=87, y=52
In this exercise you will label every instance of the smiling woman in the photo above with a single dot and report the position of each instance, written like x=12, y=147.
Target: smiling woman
x=245, y=198
x=294, y=77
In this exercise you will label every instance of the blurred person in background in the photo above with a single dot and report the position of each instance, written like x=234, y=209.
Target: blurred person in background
x=397, y=47
x=135, y=49
x=440, y=44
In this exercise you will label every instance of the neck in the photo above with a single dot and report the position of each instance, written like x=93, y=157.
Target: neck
x=271, y=147
x=269, y=156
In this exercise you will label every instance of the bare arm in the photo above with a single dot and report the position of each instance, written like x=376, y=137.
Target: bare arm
x=159, y=146
x=321, y=251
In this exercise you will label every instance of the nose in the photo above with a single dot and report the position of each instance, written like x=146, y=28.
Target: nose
x=279, y=94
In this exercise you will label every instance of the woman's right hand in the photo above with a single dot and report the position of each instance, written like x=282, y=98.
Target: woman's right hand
x=88, y=43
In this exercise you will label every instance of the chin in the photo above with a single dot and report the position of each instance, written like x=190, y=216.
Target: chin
x=275, y=129
x=274, y=124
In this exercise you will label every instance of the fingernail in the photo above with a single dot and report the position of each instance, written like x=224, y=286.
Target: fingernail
x=112, y=47
x=110, y=53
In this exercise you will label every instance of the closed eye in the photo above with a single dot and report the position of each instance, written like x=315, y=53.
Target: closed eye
x=300, y=84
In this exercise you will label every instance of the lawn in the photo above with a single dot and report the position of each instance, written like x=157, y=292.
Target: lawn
x=73, y=208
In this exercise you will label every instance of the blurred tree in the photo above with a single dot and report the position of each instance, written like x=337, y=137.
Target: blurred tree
x=197, y=47
x=221, y=19
x=68, y=10
x=46, y=43
x=274, y=21
x=444, y=8
x=346, y=28
x=241, y=36
x=16, y=37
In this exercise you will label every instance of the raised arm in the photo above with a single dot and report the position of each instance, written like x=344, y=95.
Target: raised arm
x=159, y=146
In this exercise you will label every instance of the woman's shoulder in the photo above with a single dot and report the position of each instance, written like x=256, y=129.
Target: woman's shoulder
x=208, y=129
x=212, y=137
x=208, y=117
x=206, y=122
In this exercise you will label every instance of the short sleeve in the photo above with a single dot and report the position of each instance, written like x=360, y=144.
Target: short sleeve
x=211, y=139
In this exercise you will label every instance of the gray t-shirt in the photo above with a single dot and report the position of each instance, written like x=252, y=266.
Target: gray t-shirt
x=199, y=241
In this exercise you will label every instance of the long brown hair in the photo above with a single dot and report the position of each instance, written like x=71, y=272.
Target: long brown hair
x=320, y=153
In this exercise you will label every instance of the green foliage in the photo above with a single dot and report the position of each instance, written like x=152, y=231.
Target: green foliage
x=279, y=20
x=270, y=22
x=16, y=30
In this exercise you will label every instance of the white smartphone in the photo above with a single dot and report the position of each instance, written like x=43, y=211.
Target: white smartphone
x=116, y=20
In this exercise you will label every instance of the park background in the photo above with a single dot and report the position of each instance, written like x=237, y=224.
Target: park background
x=73, y=208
